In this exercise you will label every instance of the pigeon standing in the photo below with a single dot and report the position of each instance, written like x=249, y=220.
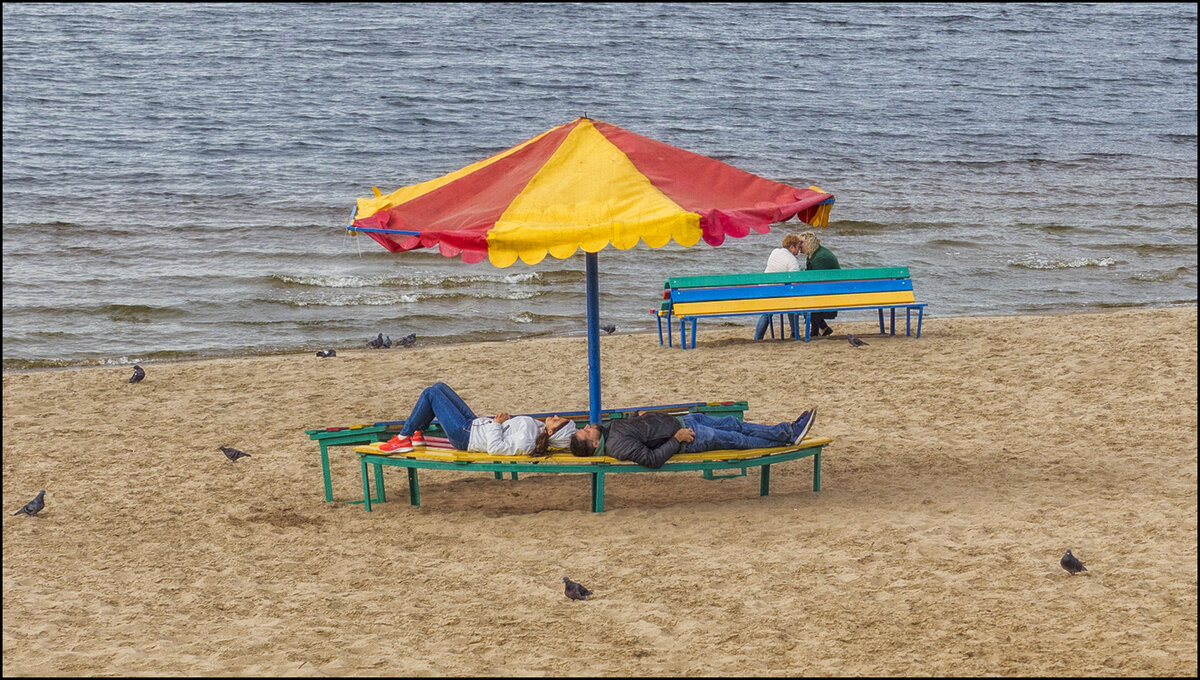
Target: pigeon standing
x=610, y=329
x=138, y=374
x=376, y=343
x=233, y=454
x=387, y=342
x=326, y=353
x=575, y=591
x=1071, y=564
x=407, y=341
x=33, y=507
x=854, y=341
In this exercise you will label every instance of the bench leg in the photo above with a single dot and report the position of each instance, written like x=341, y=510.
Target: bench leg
x=514, y=476
x=414, y=489
x=880, y=310
x=379, y=495
x=682, y=334
x=694, y=333
x=764, y=481
x=893, y=320
x=817, y=471
x=920, y=316
x=325, y=473
x=908, y=322
x=366, y=481
x=807, y=326
x=597, y=492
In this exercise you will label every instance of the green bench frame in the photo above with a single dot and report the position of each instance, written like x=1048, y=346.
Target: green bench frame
x=809, y=448
x=359, y=435
x=879, y=288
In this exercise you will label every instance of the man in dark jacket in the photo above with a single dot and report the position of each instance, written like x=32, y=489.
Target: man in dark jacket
x=650, y=439
x=818, y=257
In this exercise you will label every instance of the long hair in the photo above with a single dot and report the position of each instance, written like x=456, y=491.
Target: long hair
x=541, y=445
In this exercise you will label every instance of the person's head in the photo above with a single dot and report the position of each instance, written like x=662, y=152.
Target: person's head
x=585, y=440
x=556, y=435
x=792, y=243
x=809, y=243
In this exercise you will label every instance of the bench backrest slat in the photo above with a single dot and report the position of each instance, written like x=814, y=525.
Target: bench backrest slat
x=789, y=290
x=817, y=275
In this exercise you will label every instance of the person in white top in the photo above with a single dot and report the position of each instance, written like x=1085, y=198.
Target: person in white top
x=781, y=260
x=503, y=435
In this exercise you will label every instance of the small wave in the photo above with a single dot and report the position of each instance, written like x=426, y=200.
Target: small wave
x=1036, y=262
x=1162, y=277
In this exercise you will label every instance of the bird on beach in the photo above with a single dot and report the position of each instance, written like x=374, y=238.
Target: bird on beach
x=407, y=341
x=574, y=590
x=233, y=454
x=1071, y=564
x=854, y=340
x=610, y=329
x=376, y=343
x=138, y=374
x=387, y=342
x=326, y=353
x=33, y=507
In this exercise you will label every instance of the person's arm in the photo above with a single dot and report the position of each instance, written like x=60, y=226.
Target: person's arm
x=635, y=449
x=494, y=441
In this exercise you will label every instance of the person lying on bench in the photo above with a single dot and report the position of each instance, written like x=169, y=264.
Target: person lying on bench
x=651, y=439
x=503, y=435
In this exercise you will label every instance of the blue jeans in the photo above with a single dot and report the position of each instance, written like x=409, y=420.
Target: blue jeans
x=727, y=432
x=453, y=414
x=765, y=320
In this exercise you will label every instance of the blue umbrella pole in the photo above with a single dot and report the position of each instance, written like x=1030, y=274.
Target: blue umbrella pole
x=593, y=336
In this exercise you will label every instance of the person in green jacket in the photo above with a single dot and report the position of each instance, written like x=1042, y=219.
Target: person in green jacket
x=819, y=257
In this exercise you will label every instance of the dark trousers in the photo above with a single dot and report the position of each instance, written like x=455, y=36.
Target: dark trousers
x=819, y=318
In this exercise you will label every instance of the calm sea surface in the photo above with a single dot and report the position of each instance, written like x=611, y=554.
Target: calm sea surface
x=177, y=178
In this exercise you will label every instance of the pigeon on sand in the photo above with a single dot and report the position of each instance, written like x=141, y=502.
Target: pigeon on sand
x=138, y=374
x=33, y=507
x=1071, y=564
x=233, y=454
x=574, y=590
x=854, y=341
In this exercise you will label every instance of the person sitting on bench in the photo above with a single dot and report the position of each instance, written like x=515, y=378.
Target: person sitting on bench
x=503, y=435
x=651, y=439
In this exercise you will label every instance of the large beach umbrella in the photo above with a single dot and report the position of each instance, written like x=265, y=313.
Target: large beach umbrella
x=583, y=185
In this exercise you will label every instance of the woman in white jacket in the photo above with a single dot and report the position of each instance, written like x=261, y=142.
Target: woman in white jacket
x=503, y=435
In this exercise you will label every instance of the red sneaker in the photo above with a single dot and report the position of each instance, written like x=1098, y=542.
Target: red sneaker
x=397, y=444
x=418, y=439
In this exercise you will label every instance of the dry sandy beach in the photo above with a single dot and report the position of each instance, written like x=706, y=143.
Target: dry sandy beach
x=963, y=464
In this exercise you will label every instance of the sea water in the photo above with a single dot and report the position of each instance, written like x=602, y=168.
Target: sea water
x=178, y=177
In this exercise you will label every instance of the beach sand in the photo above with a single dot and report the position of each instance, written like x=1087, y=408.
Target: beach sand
x=963, y=465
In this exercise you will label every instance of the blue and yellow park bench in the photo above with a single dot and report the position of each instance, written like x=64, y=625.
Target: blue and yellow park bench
x=363, y=435
x=690, y=298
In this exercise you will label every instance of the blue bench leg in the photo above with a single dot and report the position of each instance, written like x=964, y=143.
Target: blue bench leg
x=807, y=326
x=694, y=333
x=920, y=316
x=908, y=322
x=660, y=337
x=881, y=320
x=893, y=320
